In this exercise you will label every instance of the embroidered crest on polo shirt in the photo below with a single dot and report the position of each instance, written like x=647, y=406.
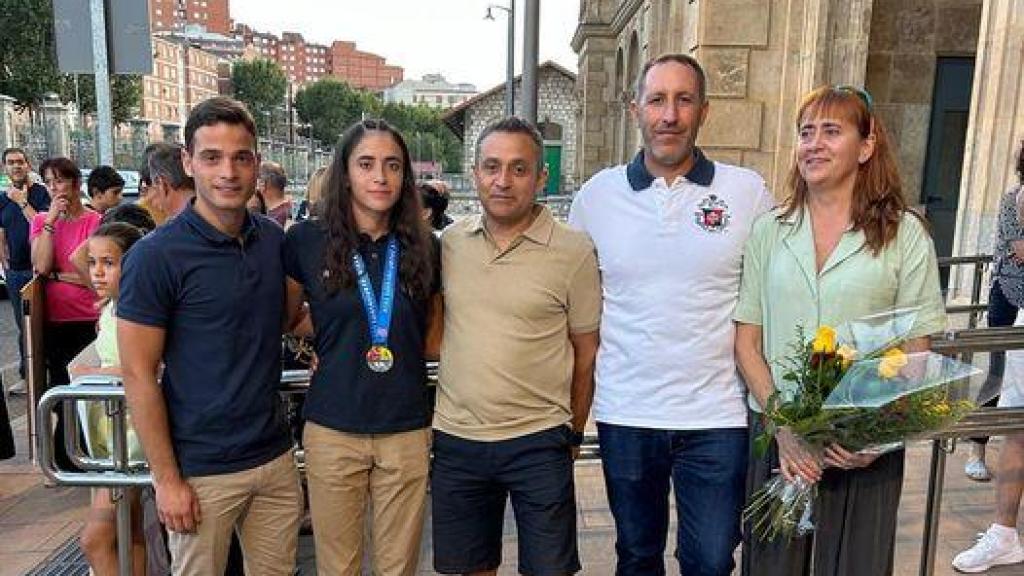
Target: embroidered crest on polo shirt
x=712, y=214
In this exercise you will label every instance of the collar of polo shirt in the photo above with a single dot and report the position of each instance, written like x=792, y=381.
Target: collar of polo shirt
x=250, y=230
x=540, y=229
x=702, y=172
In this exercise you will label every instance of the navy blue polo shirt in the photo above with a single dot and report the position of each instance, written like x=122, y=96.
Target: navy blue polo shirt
x=345, y=395
x=221, y=302
x=15, y=225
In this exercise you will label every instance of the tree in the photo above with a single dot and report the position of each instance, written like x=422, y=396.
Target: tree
x=125, y=95
x=260, y=85
x=330, y=106
x=425, y=133
x=28, y=63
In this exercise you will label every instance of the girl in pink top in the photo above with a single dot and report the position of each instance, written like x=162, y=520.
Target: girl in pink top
x=70, y=323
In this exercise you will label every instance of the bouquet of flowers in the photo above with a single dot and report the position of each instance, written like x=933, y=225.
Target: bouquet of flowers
x=857, y=388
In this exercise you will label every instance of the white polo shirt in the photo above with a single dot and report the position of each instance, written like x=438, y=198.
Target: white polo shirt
x=670, y=257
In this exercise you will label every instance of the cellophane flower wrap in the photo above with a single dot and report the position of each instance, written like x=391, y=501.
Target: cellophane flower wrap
x=853, y=386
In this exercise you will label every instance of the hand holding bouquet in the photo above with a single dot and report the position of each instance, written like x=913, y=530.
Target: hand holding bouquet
x=852, y=390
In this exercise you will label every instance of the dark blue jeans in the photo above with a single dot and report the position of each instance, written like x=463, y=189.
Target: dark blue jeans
x=16, y=280
x=707, y=470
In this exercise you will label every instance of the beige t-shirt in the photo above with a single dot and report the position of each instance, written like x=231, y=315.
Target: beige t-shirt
x=506, y=358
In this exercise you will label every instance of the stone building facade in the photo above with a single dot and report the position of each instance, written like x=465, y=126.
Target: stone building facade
x=557, y=117
x=947, y=77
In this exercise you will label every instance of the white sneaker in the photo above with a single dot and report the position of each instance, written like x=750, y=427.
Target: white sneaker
x=976, y=470
x=996, y=546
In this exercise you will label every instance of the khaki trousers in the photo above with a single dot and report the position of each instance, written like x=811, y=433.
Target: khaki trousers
x=345, y=472
x=263, y=504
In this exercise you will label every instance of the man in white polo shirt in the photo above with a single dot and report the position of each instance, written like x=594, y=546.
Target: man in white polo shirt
x=669, y=228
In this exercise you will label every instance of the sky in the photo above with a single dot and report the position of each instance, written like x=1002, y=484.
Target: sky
x=450, y=37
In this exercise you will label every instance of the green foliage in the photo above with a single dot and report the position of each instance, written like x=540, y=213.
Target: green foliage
x=28, y=62
x=331, y=106
x=261, y=86
x=125, y=95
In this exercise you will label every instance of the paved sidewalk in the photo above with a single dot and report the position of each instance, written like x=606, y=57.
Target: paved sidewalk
x=35, y=521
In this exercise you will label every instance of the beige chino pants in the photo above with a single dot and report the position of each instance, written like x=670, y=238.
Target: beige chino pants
x=345, y=472
x=263, y=504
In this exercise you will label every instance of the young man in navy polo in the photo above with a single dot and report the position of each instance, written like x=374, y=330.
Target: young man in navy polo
x=205, y=295
x=669, y=228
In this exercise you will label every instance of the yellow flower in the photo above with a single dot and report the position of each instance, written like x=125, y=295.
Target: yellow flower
x=892, y=361
x=848, y=354
x=824, y=340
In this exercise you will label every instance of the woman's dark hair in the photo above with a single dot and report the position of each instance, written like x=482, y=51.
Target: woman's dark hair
x=63, y=167
x=132, y=214
x=123, y=234
x=416, y=265
x=437, y=203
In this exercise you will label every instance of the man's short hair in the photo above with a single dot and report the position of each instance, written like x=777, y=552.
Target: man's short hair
x=685, y=60
x=101, y=179
x=14, y=150
x=273, y=174
x=513, y=125
x=216, y=110
x=164, y=161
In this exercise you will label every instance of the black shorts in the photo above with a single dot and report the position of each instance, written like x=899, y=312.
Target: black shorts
x=470, y=484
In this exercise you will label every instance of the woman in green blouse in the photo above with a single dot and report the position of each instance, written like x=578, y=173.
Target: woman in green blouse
x=843, y=245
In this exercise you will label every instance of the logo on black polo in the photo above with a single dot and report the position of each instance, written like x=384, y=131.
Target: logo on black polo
x=712, y=214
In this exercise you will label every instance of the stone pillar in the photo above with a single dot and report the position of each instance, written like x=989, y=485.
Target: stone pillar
x=140, y=138
x=595, y=85
x=7, y=137
x=55, y=128
x=822, y=42
x=994, y=131
x=172, y=132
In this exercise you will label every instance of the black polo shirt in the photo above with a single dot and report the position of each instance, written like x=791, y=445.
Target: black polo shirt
x=15, y=225
x=345, y=395
x=221, y=302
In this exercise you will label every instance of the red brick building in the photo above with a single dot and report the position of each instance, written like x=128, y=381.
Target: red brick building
x=214, y=15
x=362, y=69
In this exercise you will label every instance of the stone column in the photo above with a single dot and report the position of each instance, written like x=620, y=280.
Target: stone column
x=140, y=138
x=172, y=132
x=994, y=131
x=55, y=128
x=7, y=137
x=823, y=42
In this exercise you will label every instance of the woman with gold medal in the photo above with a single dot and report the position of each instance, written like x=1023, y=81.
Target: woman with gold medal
x=368, y=268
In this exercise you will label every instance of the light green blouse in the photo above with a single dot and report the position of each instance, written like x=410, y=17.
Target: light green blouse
x=106, y=340
x=781, y=290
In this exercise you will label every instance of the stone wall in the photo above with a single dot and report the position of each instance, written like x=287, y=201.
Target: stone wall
x=556, y=102
x=906, y=40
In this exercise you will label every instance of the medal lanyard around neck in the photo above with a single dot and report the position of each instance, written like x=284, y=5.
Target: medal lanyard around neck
x=378, y=316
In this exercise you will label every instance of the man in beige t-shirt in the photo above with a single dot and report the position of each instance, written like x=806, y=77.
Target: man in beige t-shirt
x=522, y=309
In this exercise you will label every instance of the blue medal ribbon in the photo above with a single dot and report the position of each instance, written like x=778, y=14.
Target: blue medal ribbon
x=378, y=315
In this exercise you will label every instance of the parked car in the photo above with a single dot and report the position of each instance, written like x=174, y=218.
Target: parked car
x=130, y=192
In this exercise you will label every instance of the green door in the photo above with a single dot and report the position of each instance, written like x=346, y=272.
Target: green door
x=553, y=160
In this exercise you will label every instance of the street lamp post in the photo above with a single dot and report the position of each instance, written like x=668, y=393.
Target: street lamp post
x=510, y=86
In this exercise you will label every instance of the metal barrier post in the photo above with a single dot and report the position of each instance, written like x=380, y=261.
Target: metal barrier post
x=119, y=494
x=933, y=507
